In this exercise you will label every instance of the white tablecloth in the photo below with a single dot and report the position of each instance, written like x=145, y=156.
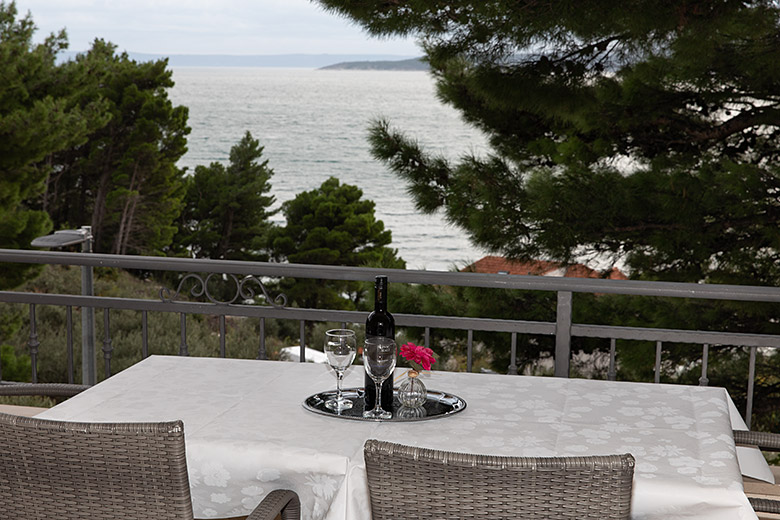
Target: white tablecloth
x=248, y=434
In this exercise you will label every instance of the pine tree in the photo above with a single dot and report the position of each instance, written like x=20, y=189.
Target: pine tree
x=37, y=118
x=645, y=133
x=227, y=209
x=332, y=225
x=124, y=180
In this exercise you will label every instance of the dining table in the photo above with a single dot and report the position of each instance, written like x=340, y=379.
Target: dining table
x=248, y=433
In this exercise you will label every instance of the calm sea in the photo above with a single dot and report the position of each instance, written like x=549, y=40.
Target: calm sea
x=313, y=125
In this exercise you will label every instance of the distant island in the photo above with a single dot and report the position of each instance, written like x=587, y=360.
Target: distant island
x=412, y=64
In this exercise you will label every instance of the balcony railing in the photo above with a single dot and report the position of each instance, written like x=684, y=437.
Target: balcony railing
x=248, y=276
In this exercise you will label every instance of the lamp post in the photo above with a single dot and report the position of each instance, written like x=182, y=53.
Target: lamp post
x=69, y=237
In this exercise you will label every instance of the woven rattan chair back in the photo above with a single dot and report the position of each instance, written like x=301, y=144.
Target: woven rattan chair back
x=95, y=471
x=42, y=389
x=423, y=484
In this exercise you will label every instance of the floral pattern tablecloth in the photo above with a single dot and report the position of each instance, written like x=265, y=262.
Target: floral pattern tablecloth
x=248, y=434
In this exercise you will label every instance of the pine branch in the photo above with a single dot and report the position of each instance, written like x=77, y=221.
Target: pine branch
x=601, y=46
x=756, y=117
x=428, y=176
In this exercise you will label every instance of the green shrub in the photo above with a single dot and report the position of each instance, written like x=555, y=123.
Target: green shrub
x=14, y=367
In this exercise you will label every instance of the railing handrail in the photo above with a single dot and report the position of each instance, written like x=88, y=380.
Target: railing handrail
x=456, y=279
x=563, y=329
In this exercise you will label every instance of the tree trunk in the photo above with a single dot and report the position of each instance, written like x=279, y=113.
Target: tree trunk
x=129, y=226
x=227, y=229
x=99, y=211
x=119, y=239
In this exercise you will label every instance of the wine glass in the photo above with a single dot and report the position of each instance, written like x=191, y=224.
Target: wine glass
x=340, y=349
x=379, y=362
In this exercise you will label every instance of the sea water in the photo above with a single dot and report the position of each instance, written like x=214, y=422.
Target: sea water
x=313, y=124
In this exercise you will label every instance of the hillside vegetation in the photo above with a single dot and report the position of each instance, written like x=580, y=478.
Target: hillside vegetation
x=242, y=334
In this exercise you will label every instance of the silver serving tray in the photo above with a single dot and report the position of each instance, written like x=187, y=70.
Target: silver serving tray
x=438, y=404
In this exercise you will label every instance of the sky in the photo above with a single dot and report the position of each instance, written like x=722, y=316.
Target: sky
x=240, y=27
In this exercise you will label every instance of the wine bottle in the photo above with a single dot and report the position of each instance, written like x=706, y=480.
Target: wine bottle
x=380, y=323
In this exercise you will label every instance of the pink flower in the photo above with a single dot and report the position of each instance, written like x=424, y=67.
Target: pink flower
x=417, y=354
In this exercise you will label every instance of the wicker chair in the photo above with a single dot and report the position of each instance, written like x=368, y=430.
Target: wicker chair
x=102, y=471
x=41, y=389
x=416, y=484
x=764, y=497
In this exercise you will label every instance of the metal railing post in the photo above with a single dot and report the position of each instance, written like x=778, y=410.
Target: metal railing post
x=144, y=335
x=33, y=344
x=88, y=354
x=750, y=386
x=107, y=345
x=470, y=351
x=222, y=330
x=657, y=366
x=512, y=370
x=612, y=372
x=261, y=353
x=563, y=334
x=183, y=348
x=69, y=341
x=703, y=380
x=303, y=341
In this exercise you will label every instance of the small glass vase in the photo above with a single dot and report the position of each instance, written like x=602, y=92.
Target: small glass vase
x=412, y=392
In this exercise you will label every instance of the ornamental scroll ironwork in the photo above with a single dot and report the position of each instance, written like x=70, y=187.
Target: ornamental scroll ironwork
x=243, y=291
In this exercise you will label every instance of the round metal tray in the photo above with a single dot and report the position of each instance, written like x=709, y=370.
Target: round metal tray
x=438, y=404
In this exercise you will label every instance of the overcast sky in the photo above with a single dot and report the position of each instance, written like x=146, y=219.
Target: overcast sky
x=208, y=27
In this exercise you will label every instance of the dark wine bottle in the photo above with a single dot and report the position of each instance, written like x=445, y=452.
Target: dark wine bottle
x=380, y=323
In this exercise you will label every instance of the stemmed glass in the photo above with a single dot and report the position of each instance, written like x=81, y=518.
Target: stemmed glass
x=340, y=349
x=379, y=362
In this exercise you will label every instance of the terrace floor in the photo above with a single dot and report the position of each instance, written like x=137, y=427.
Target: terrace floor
x=26, y=411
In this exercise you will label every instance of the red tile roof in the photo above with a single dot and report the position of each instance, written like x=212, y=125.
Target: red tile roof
x=500, y=265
